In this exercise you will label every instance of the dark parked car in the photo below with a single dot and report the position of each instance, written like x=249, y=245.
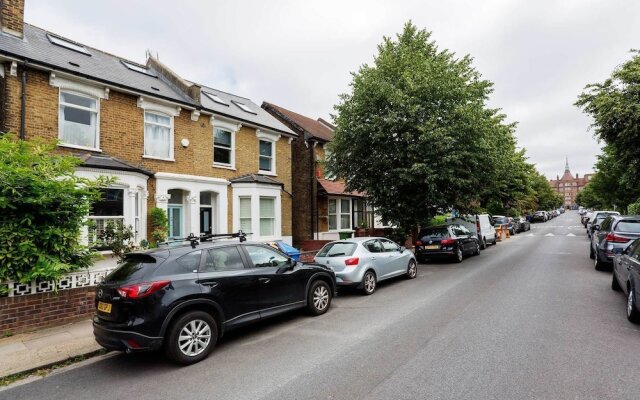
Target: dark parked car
x=183, y=298
x=626, y=277
x=450, y=241
x=539, y=216
x=611, y=237
x=522, y=224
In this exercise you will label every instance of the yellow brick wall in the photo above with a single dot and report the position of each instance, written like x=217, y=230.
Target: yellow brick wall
x=122, y=136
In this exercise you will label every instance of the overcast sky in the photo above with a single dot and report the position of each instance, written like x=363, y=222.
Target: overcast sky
x=299, y=54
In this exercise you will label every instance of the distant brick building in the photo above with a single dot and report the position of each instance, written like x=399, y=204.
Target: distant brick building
x=569, y=186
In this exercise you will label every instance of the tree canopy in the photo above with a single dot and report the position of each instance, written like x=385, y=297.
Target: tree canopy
x=417, y=136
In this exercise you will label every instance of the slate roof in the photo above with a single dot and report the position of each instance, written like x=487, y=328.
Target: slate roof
x=231, y=109
x=315, y=128
x=106, y=68
x=112, y=163
x=256, y=178
x=337, y=188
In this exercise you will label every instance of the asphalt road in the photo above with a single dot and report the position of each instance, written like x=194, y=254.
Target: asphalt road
x=529, y=318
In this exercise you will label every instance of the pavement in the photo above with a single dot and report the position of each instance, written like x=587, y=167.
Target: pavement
x=45, y=347
x=529, y=318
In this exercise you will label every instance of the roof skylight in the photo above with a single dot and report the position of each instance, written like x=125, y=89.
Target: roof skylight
x=215, y=98
x=69, y=44
x=137, y=68
x=244, y=107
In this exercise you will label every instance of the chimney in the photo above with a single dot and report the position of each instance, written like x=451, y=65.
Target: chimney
x=190, y=89
x=12, y=18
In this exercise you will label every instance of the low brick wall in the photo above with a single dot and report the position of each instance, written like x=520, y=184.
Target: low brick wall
x=33, y=311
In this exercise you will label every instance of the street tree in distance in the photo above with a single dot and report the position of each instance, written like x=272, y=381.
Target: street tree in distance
x=415, y=133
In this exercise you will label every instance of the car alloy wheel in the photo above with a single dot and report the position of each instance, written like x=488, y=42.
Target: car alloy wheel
x=632, y=313
x=191, y=337
x=369, y=282
x=412, y=269
x=459, y=255
x=477, y=251
x=614, y=283
x=319, y=298
x=484, y=243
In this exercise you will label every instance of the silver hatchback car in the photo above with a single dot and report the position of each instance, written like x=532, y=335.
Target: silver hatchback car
x=363, y=262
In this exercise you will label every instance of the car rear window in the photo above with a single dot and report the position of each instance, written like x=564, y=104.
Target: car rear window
x=434, y=232
x=133, y=267
x=628, y=226
x=501, y=220
x=338, y=249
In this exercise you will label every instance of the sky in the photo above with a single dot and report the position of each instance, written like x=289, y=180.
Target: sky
x=300, y=54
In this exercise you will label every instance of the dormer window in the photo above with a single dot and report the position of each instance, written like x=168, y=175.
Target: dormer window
x=69, y=44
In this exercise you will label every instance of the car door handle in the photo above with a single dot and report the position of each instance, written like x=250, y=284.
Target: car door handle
x=264, y=280
x=210, y=284
x=373, y=258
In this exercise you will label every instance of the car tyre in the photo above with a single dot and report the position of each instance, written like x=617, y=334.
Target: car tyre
x=191, y=338
x=369, y=282
x=598, y=265
x=412, y=269
x=632, y=312
x=476, y=252
x=592, y=255
x=459, y=256
x=483, y=245
x=614, y=283
x=319, y=298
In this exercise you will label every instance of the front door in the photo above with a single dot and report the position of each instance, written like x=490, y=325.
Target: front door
x=174, y=213
x=206, y=220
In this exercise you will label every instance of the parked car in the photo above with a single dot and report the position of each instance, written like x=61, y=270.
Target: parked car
x=364, y=261
x=626, y=278
x=506, y=222
x=586, y=217
x=611, y=237
x=596, y=219
x=183, y=298
x=522, y=224
x=449, y=241
x=480, y=226
x=539, y=216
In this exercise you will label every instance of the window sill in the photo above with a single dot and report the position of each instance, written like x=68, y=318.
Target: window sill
x=158, y=158
x=73, y=146
x=224, y=166
x=267, y=173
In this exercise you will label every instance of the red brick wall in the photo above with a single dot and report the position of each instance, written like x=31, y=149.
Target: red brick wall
x=29, y=312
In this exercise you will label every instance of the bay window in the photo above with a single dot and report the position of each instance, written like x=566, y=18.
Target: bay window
x=339, y=214
x=110, y=208
x=245, y=214
x=267, y=216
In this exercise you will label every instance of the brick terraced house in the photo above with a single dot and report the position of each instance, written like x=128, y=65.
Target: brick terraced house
x=214, y=161
x=321, y=206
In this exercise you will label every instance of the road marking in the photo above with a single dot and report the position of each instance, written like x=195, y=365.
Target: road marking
x=571, y=234
x=549, y=234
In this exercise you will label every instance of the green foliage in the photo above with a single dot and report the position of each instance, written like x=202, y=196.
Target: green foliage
x=634, y=208
x=159, y=226
x=42, y=210
x=416, y=135
x=117, y=237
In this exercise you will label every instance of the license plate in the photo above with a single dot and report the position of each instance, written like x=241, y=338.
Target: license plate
x=104, y=307
x=432, y=247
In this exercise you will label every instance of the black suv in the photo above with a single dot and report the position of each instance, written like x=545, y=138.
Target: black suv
x=183, y=298
x=451, y=241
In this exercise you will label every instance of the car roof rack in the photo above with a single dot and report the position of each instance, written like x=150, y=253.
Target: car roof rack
x=195, y=240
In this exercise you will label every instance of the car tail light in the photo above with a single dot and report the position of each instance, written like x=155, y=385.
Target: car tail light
x=447, y=242
x=418, y=243
x=140, y=290
x=352, y=261
x=478, y=225
x=613, y=238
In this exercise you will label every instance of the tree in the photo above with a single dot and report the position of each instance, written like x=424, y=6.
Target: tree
x=43, y=206
x=614, y=106
x=416, y=136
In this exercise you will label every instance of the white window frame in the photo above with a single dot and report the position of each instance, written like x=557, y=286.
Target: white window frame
x=166, y=111
x=339, y=214
x=229, y=127
x=61, y=119
x=255, y=191
x=240, y=217
x=171, y=139
x=268, y=137
x=260, y=217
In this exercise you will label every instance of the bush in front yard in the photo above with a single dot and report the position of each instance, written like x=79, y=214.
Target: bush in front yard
x=42, y=211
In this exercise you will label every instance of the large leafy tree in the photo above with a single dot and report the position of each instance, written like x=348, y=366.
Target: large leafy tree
x=415, y=134
x=43, y=206
x=614, y=106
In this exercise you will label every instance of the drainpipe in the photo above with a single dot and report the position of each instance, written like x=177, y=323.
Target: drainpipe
x=23, y=100
x=312, y=181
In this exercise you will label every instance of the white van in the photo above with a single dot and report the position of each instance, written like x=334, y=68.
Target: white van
x=480, y=225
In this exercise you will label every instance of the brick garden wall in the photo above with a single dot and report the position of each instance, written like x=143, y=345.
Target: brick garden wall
x=29, y=312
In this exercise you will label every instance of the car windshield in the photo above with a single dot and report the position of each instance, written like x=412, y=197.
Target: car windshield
x=337, y=249
x=501, y=220
x=435, y=232
x=631, y=226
